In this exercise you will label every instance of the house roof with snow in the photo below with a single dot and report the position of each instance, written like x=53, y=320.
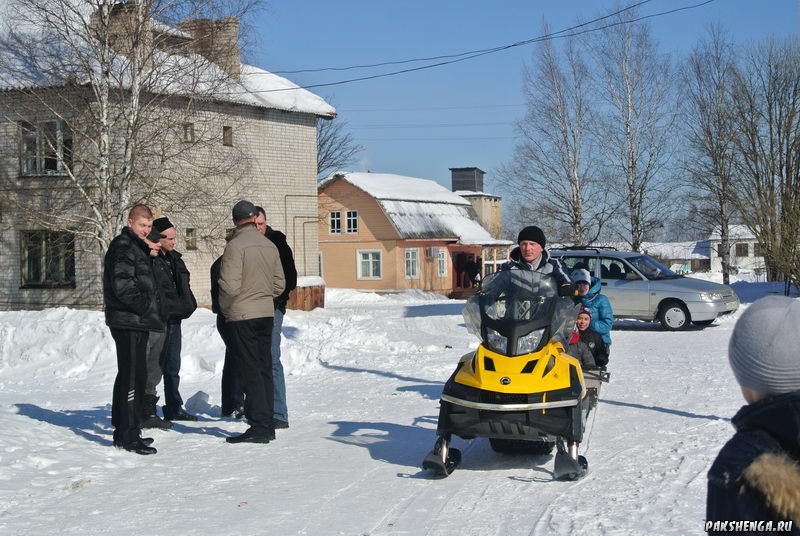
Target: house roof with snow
x=420, y=208
x=187, y=74
x=736, y=232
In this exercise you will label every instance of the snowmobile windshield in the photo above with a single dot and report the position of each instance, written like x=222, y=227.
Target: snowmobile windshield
x=517, y=312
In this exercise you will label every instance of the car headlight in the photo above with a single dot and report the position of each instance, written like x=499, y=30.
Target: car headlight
x=711, y=296
x=496, y=341
x=529, y=342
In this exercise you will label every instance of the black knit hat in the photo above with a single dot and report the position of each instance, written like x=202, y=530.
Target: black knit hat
x=534, y=234
x=162, y=224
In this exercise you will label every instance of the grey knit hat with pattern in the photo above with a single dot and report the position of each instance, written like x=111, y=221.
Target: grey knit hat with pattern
x=764, y=350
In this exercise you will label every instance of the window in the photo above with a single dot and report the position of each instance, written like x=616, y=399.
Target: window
x=45, y=148
x=743, y=249
x=336, y=222
x=188, y=133
x=442, y=262
x=227, y=136
x=757, y=251
x=352, y=221
x=412, y=263
x=369, y=264
x=191, y=239
x=47, y=259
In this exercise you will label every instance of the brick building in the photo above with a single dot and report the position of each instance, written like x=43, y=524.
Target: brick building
x=259, y=129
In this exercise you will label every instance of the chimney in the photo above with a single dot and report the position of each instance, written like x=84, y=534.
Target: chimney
x=217, y=41
x=467, y=178
x=128, y=26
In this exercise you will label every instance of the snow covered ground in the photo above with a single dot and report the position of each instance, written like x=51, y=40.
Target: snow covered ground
x=365, y=374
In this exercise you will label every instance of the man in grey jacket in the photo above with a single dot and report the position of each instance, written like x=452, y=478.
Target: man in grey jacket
x=250, y=278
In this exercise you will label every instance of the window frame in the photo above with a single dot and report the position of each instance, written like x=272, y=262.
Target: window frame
x=335, y=229
x=744, y=246
x=352, y=217
x=190, y=238
x=58, y=244
x=34, y=149
x=188, y=132
x=442, y=262
x=359, y=272
x=227, y=136
x=414, y=263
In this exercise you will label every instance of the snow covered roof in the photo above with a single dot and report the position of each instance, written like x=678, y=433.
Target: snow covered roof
x=420, y=208
x=177, y=74
x=678, y=250
x=736, y=232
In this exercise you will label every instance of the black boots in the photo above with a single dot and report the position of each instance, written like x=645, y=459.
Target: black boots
x=253, y=435
x=177, y=414
x=140, y=446
x=150, y=418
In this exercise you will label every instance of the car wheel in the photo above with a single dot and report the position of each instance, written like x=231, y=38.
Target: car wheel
x=702, y=323
x=674, y=316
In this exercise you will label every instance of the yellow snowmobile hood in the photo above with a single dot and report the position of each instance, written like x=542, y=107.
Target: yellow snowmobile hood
x=537, y=372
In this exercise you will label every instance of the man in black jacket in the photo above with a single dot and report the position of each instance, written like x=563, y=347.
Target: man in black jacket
x=132, y=310
x=173, y=278
x=280, y=409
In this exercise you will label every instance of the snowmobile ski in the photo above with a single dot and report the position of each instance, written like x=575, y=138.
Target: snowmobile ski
x=443, y=459
x=568, y=464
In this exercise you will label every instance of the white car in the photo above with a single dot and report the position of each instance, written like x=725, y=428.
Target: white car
x=640, y=287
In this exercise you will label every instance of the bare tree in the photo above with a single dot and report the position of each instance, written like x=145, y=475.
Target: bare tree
x=552, y=169
x=767, y=107
x=336, y=148
x=114, y=108
x=635, y=85
x=710, y=130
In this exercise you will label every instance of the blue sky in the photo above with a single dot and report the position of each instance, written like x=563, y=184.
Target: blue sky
x=420, y=124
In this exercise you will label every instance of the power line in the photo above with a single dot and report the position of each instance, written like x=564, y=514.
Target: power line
x=441, y=139
x=460, y=54
x=473, y=107
x=433, y=125
x=554, y=35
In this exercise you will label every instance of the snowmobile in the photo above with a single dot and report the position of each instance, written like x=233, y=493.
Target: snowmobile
x=519, y=388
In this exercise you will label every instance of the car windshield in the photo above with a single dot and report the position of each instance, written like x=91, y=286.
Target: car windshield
x=651, y=268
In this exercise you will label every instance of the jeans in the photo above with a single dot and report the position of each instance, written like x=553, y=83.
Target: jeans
x=280, y=411
x=171, y=365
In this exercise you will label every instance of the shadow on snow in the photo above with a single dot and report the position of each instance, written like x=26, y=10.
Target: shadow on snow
x=677, y=412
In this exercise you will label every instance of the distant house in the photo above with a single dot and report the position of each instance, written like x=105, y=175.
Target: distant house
x=681, y=257
x=379, y=231
x=745, y=250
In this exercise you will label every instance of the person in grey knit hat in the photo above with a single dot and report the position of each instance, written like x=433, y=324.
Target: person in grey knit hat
x=756, y=476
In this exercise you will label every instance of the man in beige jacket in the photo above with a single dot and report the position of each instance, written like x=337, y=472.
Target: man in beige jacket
x=250, y=278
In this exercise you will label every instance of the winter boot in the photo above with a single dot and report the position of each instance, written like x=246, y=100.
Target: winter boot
x=177, y=414
x=150, y=418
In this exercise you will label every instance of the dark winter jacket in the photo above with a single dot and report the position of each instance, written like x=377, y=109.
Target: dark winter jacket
x=215, y=270
x=756, y=475
x=596, y=345
x=287, y=262
x=602, y=315
x=578, y=349
x=130, y=294
x=546, y=265
x=172, y=277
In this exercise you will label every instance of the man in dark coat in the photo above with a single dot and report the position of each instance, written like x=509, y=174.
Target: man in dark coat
x=756, y=476
x=180, y=303
x=280, y=409
x=132, y=309
x=530, y=254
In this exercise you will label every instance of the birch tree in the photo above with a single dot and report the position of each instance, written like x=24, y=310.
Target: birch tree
x=114, y=103
x=635, y=127
x=553, y=169
x=767, y=108
x=707, y=85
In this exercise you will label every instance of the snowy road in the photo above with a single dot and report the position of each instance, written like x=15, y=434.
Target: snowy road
x=366, y=373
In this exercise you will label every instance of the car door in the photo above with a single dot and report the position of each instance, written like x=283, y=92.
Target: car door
x=626, y=289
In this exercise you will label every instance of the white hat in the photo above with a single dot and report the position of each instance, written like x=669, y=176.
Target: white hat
x=581, y=275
